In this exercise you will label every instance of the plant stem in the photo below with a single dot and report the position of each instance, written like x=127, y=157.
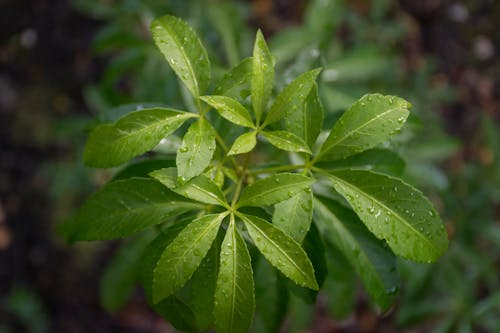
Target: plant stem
x=240, y=182
x=279, y=169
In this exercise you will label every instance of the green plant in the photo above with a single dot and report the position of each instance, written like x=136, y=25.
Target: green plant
x=212, y=202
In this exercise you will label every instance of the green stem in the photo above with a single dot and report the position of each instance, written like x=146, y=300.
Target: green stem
x=239, y=186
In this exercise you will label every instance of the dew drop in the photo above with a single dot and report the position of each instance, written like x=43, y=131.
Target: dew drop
x=431, y=213
x=184, y=149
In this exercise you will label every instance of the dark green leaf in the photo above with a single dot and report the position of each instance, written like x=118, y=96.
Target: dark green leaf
x=196, y=151
x=236, y=82
x=374, y=263
x=136, y=133
x=230, y=109
x=294, y=215
x=394, y=211
x=262, y=75
x=184, y=254
x=273, y=189
x=143, y=168
x=201, y=188
x=244, y=143
x=124, y=207
x=307, y=121
x=369, y=122
x=286, y=141
x=281, y=251
x=183, y=51
x=234, y=294
x=292, y=97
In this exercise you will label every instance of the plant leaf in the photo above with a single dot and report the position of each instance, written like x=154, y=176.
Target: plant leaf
x=281, y=251
x=196, y=151
x=374, y=263
x=234, y=293
x=113, y=144
x=273, y=189
x=230, y=109
x=200, y=188
x=292, y=97
x=184, y=52
x=124, y=207
x=244, y=143
x=294, y=215
x=184, y=254
x=307, y=121
x=394, y=211
x=262, y=75
x=367, y=123
x=286, y=141
x=376, y=159
x=236, y=82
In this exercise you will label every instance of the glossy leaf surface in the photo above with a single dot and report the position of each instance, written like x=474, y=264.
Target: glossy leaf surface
x=234, y=294
x=113, y=144
x=230, y=109
x=196, y=151
x=286, y=141
x=236, y=82
x=262, y=75
x=124, y=207
x=294, y=215
x=273, y=189
x=243, y=144
x=183, y=51
x=394, y=211
x=367, y=123
x=281, y=251
x=292, y=98
x=184, y=254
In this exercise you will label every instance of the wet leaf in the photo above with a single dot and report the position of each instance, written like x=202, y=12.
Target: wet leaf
x=294, y=215
x=230, y=109
x=262, y=75
x=286, y=141
x=243, y=144
x=236, y=82
x=394, y=211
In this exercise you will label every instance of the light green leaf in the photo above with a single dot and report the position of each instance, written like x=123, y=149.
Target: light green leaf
x=184, y=254
x=294, y=215
x=307, y=121
x=369, y=122
x=394, y=211
x=292, y=97
x=236, y=82
x=281, y=251
x=183, y=51
x=374, y=263
x=234, y=293
x=200, y=188
x=243, y=144
x=381, y=160
x=196, y=151
x=286, y=141
x=136, y=133
x=230, y=109
x=273, y=189
x=262, y=76
x=120, y=276
x=123, y=207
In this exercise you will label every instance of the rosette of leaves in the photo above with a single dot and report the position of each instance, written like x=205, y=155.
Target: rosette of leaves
x=229, y=194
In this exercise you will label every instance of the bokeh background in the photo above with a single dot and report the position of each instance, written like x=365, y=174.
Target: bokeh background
x=64, y=64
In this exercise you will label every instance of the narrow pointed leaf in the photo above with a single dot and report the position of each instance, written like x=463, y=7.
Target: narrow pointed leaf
x=281, y=251
x=292, y=98
x=230, y=109
x=124, y=207
x=262, y=75
x=307, y=121
x=273, y=189
x=236, y=82
x=294, y=215
x=200, y=188
x=374, y=263
x=196, y=151
x=286, y=141
x=367, y=123
x=234, y=293
x=394, y=211
x=243, y=144
x=184, y=52
x=113, y=144
x=184, y=254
